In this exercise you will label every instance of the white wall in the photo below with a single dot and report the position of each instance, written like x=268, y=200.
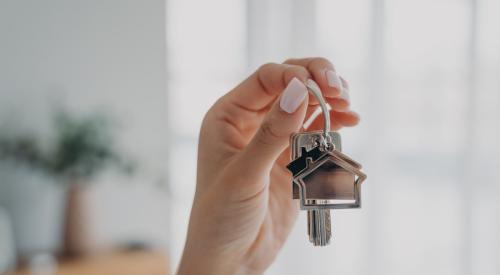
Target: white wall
x=106, y=54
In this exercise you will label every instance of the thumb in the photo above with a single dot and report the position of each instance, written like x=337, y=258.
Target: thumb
x=285, y=117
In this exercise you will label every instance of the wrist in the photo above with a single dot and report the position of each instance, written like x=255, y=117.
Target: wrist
x=208, y=263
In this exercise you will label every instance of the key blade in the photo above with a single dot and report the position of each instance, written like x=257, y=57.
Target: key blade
x=319, y=227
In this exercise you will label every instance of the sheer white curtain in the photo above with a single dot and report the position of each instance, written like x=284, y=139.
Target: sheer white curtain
x=425, y=78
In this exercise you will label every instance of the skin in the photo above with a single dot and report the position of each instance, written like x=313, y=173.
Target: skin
x=243, y=211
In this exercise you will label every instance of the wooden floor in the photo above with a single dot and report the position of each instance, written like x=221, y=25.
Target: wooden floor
x=119, y=263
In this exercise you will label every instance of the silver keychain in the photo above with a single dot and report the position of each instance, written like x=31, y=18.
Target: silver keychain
x=323, y=177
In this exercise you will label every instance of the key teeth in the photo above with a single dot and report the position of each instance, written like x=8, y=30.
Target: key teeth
x=319, y=243
x=319, y=228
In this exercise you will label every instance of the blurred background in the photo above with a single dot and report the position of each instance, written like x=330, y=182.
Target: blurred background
x=101, y=102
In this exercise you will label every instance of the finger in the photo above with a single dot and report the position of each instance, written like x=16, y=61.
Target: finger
x=336, y=103
x=323, y=73
x=284, y=118
x=260, y=89
x=345, y=83
x=340, y=103
x=337, y=120
x=348, y=119
x=344, y=95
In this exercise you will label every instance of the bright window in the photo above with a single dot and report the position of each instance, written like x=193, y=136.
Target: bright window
x=424, y=76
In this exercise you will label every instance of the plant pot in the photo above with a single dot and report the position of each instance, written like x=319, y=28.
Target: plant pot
x=35, y=204
x=7, y=250
x=79, y=232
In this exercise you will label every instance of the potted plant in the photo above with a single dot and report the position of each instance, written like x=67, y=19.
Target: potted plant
x=82, y=147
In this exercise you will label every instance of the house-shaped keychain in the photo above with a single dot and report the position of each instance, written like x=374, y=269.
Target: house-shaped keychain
x=323, y=177
x=327, y=179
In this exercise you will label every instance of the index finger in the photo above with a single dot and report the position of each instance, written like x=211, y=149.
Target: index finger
x=261, y=88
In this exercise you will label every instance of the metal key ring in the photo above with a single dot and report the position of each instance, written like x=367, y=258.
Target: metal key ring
x=314, y=89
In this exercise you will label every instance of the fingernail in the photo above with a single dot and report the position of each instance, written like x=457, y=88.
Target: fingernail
x=293, y=95
x=345, y=94
x=333, y=80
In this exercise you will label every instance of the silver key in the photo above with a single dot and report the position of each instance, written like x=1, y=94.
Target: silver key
x=318, y=221
x=319, y=227
x=323, y=177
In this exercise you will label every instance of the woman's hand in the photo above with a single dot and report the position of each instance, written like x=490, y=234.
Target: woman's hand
x=243, y=209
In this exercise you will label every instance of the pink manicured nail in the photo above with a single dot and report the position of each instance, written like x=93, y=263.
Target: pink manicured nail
x=293, y=95
x=345, y=94
x=333, y=80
